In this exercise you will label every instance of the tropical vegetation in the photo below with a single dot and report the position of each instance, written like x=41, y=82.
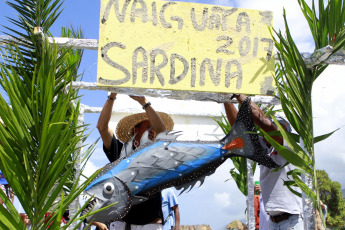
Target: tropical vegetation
x=41, y=138
x=294, y=80
x=332, y=196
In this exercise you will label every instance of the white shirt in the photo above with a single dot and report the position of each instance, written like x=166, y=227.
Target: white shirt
x=276, y=197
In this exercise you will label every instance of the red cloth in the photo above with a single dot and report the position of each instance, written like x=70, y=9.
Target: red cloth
x=257, y=211
x=47, y=217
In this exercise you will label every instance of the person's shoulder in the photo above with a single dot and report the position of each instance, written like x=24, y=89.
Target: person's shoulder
x=167, y=191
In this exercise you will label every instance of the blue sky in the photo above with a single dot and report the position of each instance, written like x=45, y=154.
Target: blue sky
x=217, y=202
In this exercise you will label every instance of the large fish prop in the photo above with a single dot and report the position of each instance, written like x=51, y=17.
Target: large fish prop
x=168, y=162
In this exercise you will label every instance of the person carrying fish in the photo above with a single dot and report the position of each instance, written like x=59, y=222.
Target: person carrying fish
x=166, y=162
x=132, y=132
x=283, y=207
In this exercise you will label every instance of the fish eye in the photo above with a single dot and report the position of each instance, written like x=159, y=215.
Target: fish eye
x=108, y=188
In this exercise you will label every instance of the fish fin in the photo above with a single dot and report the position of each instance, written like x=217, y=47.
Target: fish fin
x=138, y=199
x=168, y=135
x=191, y=187
x=192, y=183
x=185, y=187
x=243, y=141
x=201, y=182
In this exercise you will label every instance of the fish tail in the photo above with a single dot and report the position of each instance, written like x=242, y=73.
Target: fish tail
x=243, y=141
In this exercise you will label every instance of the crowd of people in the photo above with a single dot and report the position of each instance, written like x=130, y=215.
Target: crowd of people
x=276, y=207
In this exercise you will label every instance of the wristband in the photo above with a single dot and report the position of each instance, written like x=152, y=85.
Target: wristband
x=233, y=96
x=146, y=105
x=111, y=98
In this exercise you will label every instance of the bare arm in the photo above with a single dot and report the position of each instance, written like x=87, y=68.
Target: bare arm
x=231, y=112
x=25, y=218
x=103, y=121
x=100, y=225
x=11, y=196
x=260, y=119
x=154, y=118
x=177, y=217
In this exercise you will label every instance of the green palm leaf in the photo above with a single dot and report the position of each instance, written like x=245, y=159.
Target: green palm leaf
x=40, y=141
x=295, y=81
x=41, y=136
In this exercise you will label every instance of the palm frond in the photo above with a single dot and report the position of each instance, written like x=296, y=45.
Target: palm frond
x=295, y=81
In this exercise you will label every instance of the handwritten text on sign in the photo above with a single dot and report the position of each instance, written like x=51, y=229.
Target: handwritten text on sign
x=185, y=46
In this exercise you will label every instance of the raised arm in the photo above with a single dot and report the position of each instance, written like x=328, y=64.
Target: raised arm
x=154, y=118
x=103, y=121
x=231, y=112
x=260, y=119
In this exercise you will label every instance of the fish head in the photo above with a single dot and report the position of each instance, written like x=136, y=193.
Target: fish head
x=107, y=192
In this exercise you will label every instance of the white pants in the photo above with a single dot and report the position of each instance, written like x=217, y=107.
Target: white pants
x=119, y=225
x=295, y=222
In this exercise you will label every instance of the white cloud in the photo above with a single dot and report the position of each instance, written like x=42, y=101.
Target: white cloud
x=329, y=115
x=90, y=168
x=222, y=199
x=298, y=25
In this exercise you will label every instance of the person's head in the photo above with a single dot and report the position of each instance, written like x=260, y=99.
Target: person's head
x=257, y=189
x=141, y=127
x=284, y=123
x=138, y=131
x=137, y=124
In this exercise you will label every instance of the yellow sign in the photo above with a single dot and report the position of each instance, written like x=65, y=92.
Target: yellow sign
x=185, y=46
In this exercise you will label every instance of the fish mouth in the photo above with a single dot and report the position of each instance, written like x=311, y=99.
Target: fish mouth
x=94, y=204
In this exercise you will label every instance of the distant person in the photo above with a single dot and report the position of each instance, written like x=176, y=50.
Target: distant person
x=257, y=192
x=283, y=207
x=171, y=212
x=63, y=221
x=6, y=188
x=262, y=219
x=131, y=132
x=318, y=221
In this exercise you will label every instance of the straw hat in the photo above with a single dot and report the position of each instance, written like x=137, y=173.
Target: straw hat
x=125, y=126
